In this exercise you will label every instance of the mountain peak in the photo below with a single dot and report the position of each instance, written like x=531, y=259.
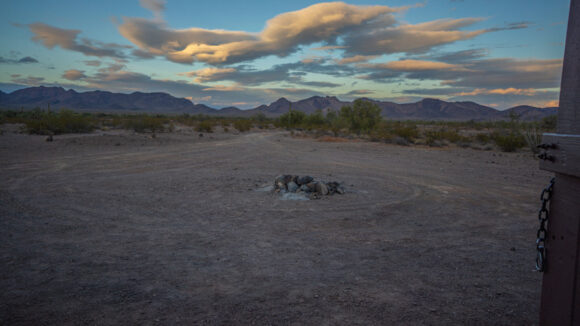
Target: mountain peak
x=281, y=100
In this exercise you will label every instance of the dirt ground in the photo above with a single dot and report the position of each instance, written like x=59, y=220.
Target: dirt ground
x=121, y=228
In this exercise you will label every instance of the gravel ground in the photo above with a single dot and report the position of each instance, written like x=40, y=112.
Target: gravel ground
x=121, y=228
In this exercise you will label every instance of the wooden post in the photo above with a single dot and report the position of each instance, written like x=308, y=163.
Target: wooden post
x=560, y=302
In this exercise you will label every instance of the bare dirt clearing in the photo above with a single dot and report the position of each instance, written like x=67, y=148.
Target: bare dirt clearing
x=125, y=229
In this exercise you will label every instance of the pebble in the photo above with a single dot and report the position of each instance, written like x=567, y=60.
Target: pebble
x=321, y=188
x=304, y=180
x=292, y=186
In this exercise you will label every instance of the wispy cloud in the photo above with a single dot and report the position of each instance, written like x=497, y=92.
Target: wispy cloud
x=28, y=81
x=355, y=59
x=157, y=7
x=23, y=60
x=93, y=63
x=409, y=38
x=415, y=65
x=68, y=39
x=246, y=75
x=74, y=74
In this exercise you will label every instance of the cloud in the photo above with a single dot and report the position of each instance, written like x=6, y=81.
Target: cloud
x=511, y=26
x=355, y=59
x=93, y=63
x=507, y=73
x=112, y=67
x=500, y=91
x=282, y=35
x=497, y=73
x=384, y=76
x=51, y=37
x=246, y=75
x=74, y=74
x=359, y=92
x=223, y=88
x=29, y=81
x=155, y=6
x=24, y=60
x=457, y=56
x=329, y=48
x=415, y=65
x=27, y=60
x=142, y=54
x=210, y=74
x=155, y=38
x=410, y=38
x=316, y=83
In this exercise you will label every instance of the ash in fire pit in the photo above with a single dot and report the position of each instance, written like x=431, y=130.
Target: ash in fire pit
x=305, y=187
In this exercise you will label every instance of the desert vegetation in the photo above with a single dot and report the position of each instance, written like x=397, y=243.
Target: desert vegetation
x=360, y=120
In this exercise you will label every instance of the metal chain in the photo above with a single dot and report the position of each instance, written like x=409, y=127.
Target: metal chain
x=542, y=234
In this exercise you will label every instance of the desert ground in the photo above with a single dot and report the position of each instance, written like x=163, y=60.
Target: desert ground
x=121, y=228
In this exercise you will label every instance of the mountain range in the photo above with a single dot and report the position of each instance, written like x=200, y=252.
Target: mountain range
x=426, y=109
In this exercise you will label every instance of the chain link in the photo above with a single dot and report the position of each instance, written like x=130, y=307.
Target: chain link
x=542, y=234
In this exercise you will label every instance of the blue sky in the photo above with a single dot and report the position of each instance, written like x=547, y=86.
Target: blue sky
x=222, y=53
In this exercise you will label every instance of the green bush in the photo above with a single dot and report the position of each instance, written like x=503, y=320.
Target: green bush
x=549, y=123
x=433, y=138
x=259, y=117
x=205, y=126
x=63, y=122
x=315, y=120
x=381, y=134
x=243, y=125
x=483, y=138
x=291, y=119
x=409, y=133
x=509, y=142
x=336, y=124
x=362, y=116
x=145, y=123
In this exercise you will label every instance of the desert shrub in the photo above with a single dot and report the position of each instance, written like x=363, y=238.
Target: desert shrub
x=291, y=119
x=63, y=122
x=549, y=123
x=533, y=138
x=463, y=143
x=243, y=125
x=315, y=120
x=362, y=116
x=401, y=141
x=145, y=123
x=205, y=126
x=509, y=142
x=483, y=138
x=433, y=138
x=335, y=122
x=408, y=132
x=381, y=134
x=259, y=117
x=453, y=136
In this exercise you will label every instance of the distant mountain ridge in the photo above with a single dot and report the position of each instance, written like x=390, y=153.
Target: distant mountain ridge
x=426, y=109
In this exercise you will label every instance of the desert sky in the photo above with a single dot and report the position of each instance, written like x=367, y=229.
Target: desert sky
x=245, y=53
